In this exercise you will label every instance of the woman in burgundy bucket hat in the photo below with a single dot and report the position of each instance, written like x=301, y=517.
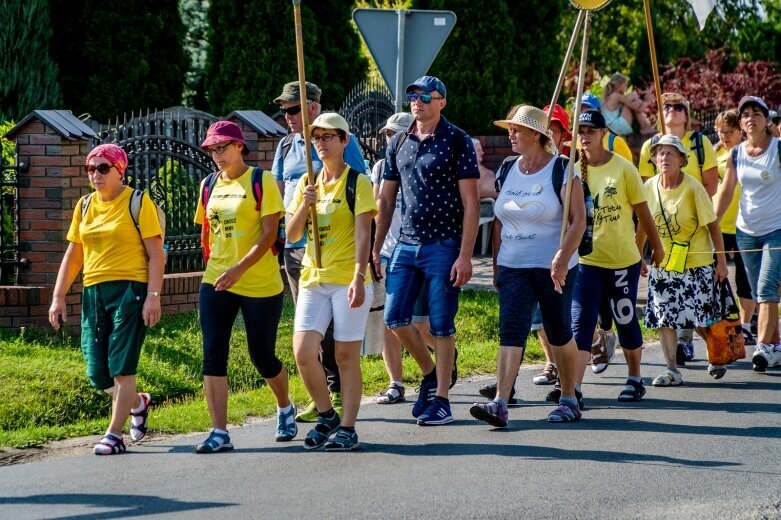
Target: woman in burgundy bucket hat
x=241, y=206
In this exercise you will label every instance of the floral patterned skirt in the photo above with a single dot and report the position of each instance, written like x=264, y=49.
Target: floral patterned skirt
x=681, y=300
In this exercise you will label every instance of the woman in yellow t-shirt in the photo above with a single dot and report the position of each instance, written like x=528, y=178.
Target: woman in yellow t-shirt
x=122, y=276
x=241, y=273
x=614, y=265
x=680, y=293
x=728, y=129
x=339, y=288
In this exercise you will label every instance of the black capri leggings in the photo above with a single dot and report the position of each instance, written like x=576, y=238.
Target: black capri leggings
x=218, y=311
x=742, y=286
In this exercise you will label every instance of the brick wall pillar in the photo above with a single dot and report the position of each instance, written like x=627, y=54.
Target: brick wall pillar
x=48, y=192
x=261, y=148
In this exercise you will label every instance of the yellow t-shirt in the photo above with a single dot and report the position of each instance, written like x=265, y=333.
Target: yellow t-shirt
x=235, y=226
x=113, y=247
x=615, y=187
x=731, y=215
x=337, y=230
x=688, y=210
x=619, y=146
x=648, y=170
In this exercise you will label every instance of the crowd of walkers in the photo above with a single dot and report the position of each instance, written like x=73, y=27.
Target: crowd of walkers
x=411, y=225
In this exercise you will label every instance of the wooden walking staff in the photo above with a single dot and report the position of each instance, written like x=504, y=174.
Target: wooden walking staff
x=305, y=122
x=567, y=58
x=654, y=66
x=587, y=6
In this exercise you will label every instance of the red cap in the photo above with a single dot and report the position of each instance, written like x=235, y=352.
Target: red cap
x=223, y=131
x=560, y=115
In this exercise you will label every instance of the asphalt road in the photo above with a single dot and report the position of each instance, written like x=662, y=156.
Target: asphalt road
x=709, y=449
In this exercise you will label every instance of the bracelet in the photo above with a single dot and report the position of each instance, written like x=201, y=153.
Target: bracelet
x=153, y=293
x=362, y=275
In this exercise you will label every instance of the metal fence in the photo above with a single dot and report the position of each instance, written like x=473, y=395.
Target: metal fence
x=366, y=108
x=9, y=223
x=166, y=161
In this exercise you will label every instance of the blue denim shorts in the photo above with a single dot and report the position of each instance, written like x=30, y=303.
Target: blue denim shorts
x=762, y=267
x=519, y=292
x=420, y=311
x=414, y=268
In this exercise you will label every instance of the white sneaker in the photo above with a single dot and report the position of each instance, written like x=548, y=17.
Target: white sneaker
x=776, y=358
x=764, y=356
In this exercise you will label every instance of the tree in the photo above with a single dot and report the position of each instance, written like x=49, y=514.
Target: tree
x=28, y=75
x=252, y=52
x=116, y=56
x=195, y=16
x=487, y=63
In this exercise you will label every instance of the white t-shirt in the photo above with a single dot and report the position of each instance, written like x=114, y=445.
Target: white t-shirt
x=760, y=182
x=530, y=213
x=395, y=228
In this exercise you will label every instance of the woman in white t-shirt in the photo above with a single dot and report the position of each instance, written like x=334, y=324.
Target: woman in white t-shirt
x=756, y=164
x=529, y=264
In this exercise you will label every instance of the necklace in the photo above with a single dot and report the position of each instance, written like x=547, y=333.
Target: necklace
x=527, y=170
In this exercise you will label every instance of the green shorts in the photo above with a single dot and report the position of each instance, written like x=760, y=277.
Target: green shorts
x=112, y=330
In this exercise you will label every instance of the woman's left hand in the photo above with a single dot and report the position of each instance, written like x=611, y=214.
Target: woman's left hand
x=558, y=272
x=356, y=293
x=151, y=310
x=721, y=269
x=228, y=279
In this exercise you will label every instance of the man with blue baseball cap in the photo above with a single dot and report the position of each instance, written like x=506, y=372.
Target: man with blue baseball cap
x=434, y=165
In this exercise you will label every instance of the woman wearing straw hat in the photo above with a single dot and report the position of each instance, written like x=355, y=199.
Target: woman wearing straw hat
x=701, y=165
x=241, y=274
x=756, y=164
x=340, y=288
x=122, y=276
x=680, y=289
x=614, y=265
x=529, y=264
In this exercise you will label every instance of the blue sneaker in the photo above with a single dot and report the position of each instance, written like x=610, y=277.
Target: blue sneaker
x=428, y=389
x=215, y=443
x=438, y=412
x=287, y=428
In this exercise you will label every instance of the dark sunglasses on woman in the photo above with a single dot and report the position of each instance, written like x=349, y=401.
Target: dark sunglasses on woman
x=102, y=169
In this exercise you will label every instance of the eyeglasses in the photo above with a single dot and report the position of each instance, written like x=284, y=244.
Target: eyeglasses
x=291, y=111
x=678, y=107
x=102, y=168
x=425, y=98
x=726, y=133
x=326, y=138
x=219, y=150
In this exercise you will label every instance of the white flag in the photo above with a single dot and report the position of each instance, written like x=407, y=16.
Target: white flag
x=702, y=8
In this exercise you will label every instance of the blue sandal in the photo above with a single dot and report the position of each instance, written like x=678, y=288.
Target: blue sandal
x=635, y=394
x=318, y=435
x=343, y=440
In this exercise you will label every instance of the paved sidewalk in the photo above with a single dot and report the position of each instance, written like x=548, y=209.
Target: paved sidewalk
x=708, y=449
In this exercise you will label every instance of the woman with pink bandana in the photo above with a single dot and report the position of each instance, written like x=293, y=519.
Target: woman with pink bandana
x=122, y=263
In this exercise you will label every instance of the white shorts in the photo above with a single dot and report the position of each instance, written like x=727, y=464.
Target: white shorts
x=319, y=304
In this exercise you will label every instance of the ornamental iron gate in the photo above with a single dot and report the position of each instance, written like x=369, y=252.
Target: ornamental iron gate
x=366, y=108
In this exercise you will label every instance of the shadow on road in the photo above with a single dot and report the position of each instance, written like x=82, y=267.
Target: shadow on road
x=124, y=506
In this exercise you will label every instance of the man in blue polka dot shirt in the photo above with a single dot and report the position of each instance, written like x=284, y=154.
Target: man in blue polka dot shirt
x=435, y=166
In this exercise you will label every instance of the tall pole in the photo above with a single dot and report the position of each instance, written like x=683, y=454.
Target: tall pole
x=305, y=122
x=567, y=58
x=654, y=66
x=574, y=147
x=400, y=28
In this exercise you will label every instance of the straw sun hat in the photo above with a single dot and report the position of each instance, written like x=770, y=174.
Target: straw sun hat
x=533, y=118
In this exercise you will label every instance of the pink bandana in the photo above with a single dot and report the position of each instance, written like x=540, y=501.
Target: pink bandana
x=113, y=153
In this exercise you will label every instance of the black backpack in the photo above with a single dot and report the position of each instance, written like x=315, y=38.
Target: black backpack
x=257, y=192
x=557, y=179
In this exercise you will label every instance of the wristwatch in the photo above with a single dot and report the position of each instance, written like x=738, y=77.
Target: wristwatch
x=153, y=293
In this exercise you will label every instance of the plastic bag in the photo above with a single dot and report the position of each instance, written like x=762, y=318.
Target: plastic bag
x=724, y=337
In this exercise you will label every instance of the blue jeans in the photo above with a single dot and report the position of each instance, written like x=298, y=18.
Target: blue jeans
x=520, y=290
x=763, y=267
x=416, y=267
x=620, y=285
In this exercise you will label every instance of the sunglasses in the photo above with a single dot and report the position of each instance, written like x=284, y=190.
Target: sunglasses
x=425, y=98
x=102, y=169
x=678, y=107
x=291, y=111
x=326, y=138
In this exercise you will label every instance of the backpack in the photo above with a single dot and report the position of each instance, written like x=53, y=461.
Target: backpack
x=557, y=179
x=287, y=144
x=135, y=209
x=611, y=137
x=257, y=192
x=735, y=154
x=698, y=148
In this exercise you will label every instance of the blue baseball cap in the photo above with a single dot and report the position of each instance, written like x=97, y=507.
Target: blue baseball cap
x=591, y=101
x=428, y=84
